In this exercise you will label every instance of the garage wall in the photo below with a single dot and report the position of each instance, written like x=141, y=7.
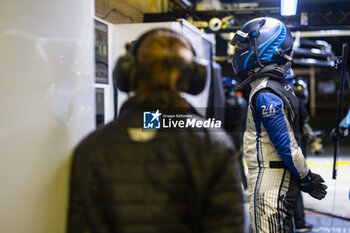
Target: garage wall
x=47, y=106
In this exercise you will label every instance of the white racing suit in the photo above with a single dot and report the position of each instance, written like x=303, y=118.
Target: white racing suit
x=274, y=159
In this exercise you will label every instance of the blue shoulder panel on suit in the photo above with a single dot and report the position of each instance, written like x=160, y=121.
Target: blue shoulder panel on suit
x=269, y=109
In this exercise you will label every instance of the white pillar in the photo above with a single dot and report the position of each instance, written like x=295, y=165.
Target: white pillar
x=47, y=106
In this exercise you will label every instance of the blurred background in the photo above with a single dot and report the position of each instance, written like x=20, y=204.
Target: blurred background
x=56, y=65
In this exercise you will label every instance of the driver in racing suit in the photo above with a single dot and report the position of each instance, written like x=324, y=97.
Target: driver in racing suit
x=277, y=169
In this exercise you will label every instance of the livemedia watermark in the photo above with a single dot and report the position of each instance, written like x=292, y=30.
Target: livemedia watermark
x=157, y=120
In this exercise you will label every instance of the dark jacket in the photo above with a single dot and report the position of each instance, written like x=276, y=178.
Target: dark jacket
x=166, y=182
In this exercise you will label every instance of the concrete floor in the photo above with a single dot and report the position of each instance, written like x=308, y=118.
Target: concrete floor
x=337, y=202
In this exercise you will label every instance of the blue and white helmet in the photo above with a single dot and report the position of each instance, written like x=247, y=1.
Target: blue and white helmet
x=261, y=42
x=290, y=76
x=229, y=84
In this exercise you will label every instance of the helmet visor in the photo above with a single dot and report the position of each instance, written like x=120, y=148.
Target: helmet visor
x=240, y=41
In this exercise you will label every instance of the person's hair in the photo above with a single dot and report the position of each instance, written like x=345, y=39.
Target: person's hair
x=163, y=58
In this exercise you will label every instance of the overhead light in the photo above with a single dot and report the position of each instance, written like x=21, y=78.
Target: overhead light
x=185, y=4
x=289, y=7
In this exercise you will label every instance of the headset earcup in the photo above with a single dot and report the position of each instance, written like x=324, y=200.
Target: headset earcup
x=121, y=73
x=198, y=78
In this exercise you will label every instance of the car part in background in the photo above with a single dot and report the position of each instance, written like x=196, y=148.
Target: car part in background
x=315, y=53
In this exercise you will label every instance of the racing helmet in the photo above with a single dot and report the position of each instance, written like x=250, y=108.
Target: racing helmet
x=290, y=76
x=301, y=90
x=228, y=84
x=261, y=42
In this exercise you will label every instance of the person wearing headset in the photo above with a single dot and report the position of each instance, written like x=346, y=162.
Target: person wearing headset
x=277, y=169
x=307, y=138
x=125, y=178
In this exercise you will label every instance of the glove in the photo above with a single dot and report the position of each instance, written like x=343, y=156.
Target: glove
x=343, y=132
x=312, y=184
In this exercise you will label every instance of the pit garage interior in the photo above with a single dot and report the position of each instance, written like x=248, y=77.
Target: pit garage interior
x=57, y=86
